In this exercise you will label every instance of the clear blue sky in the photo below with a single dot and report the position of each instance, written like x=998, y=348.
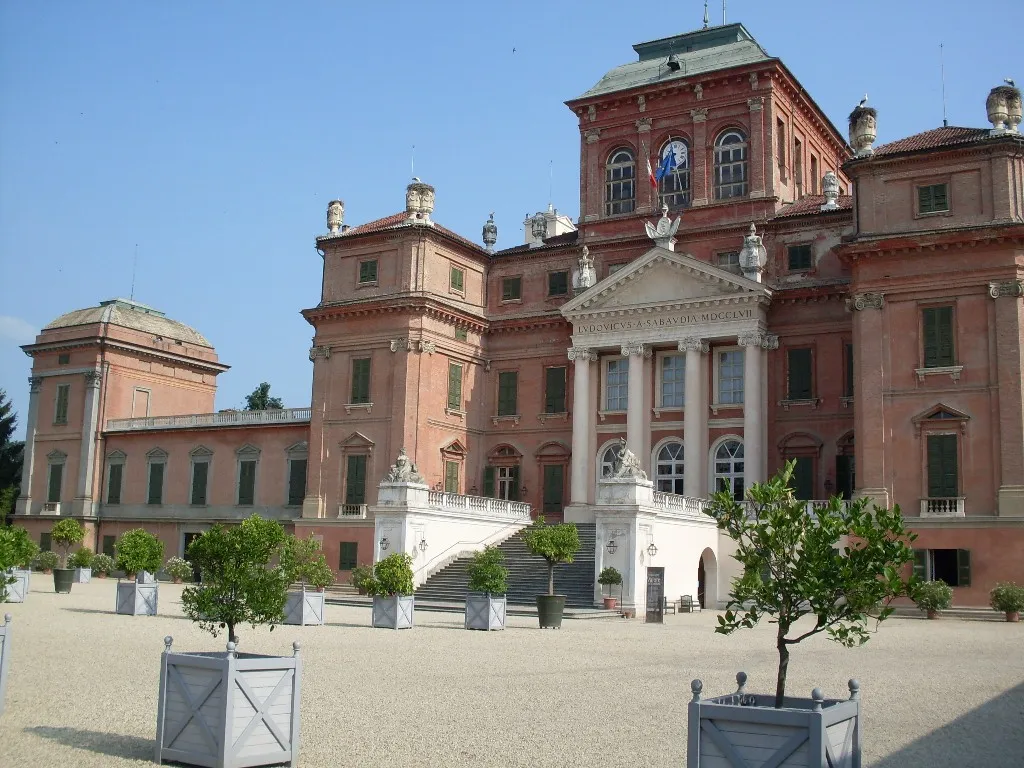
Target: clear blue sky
x=212, y=135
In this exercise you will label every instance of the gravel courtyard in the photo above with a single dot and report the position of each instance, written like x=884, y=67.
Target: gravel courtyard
x=83, y=686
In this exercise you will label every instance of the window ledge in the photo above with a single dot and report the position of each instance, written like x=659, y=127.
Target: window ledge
x=667, y=409
x=557, y=297
x=953, y=371
x=455, y=412
x=543, y=418
x=349, y=407
x=604, y=414
x=930, y=214
x=846, y=401
x=371, y=284
x=716, y=407
x=813, y=402
x=514, y=418
x=512, y=301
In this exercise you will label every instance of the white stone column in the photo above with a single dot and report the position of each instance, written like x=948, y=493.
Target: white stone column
x=24, y=505
x=582, y=409
x=635, y=421
x=755, y=407
x=695, y=412
x=91, y=413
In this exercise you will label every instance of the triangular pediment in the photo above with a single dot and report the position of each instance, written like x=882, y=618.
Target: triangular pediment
x=941, y=412
x=664, y=278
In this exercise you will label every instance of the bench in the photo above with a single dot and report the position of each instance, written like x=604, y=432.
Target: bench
x=688, y=605
x=667, y=607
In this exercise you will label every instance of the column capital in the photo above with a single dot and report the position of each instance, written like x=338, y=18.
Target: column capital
x=756, y=104
x=1014, y=288
x=861, y=301
x=35, y=384
x=319, y=351
x=643, y=125
x=93, y=379
x=693, y=343
x=582, y=354
x=699, y=115
x=759, y=339
x=638, y=349
x=592, y=135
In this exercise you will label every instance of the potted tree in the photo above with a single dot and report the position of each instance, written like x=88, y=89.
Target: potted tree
x=361, y=577
x=17, y=551
x=488, y=583
x=556, y=544
x=102, y=565
x=608, y=577
x=45, y=561
x=65, y=534
x=1008, y=598
x=392, y=591
x=139, y=555
x=81, y=561
x=794, y=567
x=303, y=561
x=254, y=709
x=178, y=569
x=932, y=597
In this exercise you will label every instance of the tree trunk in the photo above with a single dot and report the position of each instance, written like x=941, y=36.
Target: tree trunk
x=551, y=578
x=780, y=683
x=231, y=633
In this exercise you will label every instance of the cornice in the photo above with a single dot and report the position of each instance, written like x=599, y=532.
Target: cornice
x=692, y=304
x=511, y=325
x=398, y=305
x=942, y=240
x=105, y=343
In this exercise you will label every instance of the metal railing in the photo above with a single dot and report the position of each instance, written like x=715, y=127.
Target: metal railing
x=482, y=504
x=222, y=419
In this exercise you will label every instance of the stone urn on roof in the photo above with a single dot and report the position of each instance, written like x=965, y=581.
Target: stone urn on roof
x=863, y=128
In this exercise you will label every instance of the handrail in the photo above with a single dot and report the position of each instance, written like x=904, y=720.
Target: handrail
x=483, y=504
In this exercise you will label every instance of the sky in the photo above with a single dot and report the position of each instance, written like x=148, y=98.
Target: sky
x=208, y=138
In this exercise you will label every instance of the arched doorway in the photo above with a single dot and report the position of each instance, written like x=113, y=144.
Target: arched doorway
x=707, y=579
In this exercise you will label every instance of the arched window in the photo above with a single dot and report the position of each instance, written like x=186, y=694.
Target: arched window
x=729, y=468
x=730, y=165
x=609, y=457
x=670, y=468
x=674, y=186
x=620, y=183
x=501, y=475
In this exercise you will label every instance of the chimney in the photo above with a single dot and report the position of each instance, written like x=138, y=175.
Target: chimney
x=419, y=203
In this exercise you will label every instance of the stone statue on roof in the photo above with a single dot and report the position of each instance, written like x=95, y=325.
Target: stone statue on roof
x=664, y=233
x=830, y=188
x=335, y=215
x=586, y=276
x=754, y=256
x=627, y=465
x=404, y=470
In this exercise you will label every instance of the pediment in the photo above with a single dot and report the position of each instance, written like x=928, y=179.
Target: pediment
x=356, y=440
x=941, y=412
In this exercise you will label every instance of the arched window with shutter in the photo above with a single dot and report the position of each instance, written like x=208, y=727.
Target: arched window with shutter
x=620, y=182
x=730, y=165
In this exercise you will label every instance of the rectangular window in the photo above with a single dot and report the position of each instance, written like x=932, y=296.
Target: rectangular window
x=155, y=492
x=616, y=390
x=200, y=479
x=360, y=381
x=461, y=334
x=729, y=260
x=457, y=280
x=355, y=480
x=508, y=393
x=802, y=479
x=140, y=402
x=554, y=485
x=798, y=164
x=108, y=546
x=780, y=128
x=799, y=257
x=799, y=374
x=937, y=330
x=115, y=475
x=511, y=289
x=347, y=557
x=451, y=477
x=943, y=480
x=368, y=271
x=933, y=198
x=60, y=411
x=554, y=390
x=814, y=175
x=673, y=381
x=730, y=377
x=54, y=483
x=558, y=283
x=246, y=482
x=455, y=386
x=613, y=268
x=64, y=358
x=952, y=566
x=848, y=384
x=508, y=482
x=296, y=481
x=45, y=542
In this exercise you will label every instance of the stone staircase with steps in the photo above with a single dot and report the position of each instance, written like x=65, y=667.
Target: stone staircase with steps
x=527, y=577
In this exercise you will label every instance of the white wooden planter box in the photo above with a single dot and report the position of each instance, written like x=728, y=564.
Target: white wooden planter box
x=136, y=599
x=83, y=575
x=18, y=591
x=393, y=612
x=5, y=657
x=145, y=577
x=485, y=611
x=228, y=710
x=741, y=729
x=304, y=608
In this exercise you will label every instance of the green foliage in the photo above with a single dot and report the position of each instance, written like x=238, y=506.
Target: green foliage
x=45, y=561
x=8, y=496
x=81, y=559
x=486, y=572
x=609, y=576
x=65, y=534
x=238, y=583
x=102, y=564
x=793, y=567
x=933, y=595
x=260, y=400
x=555, y=543
x=304, y=562
x=361, y=577
x=178, y=568
x=391, y=576
x=138, y=550
x=1007, y=597
x=12, y=455
x=16, y=548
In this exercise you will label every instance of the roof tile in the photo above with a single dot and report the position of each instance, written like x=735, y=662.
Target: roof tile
x=812, y=204
x=397, y=221
x=946, y=136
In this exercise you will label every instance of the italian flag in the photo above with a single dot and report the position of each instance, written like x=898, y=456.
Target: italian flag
x=650, y=173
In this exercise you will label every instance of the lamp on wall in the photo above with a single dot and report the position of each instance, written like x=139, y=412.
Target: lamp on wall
x=438, y=486
x=473, y=491
x=829, y=485
x=611, y=546
x=423, y=544
x=384, y=543
x=523, y=491
x=651, y=549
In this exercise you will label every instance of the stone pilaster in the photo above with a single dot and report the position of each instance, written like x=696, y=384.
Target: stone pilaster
x=870, y=348
x=635, y=421
x=24, y=504
x=757, y=162
x=700, y=184
x=755, y=404
x=83, y=502
x=582, y=412
x=695, y=417
x=1009, y=319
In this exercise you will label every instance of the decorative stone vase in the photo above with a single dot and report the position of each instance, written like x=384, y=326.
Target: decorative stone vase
x=63, y=578
x=610, y=603
x=486, y=612
x=83, y=575
x=135, y=599
x=5, y=657
x=744, y=729
x=394, y=612
x=863, y=130
x=1013, y=109
x=304, y=608
x=932, y=614
x=18, y=591
x=550, y=609
x=997, y=108
x=228, y=709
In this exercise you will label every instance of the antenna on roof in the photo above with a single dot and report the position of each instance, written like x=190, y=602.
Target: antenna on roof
x=551, y=180
x=942, y=71
x=706, y=20
x=723, y=13
x=412, y=161
x=135, y=261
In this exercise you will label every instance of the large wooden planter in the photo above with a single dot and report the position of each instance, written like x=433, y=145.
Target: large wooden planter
x=393, y=612
x=304, y=608
x=485, y=612
x=83, y=575
x=135, y=599
x=5, y=657
x=145, y=577
x=18, y=591
x=228, y=710
x=742, y=729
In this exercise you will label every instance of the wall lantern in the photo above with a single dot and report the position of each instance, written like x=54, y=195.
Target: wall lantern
x=611, y=546
x=651, y=549
x=384, y=543
x=828, y=486
x=423, y=545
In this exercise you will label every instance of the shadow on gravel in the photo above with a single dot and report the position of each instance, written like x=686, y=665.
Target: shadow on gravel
x=990, y=736
x=113, y=744
x=112, y=613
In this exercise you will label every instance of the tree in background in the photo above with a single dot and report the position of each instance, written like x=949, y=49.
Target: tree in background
x=260, y=400
x=11, y=457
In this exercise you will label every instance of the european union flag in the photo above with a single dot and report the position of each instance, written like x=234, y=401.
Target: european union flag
x=668, y=164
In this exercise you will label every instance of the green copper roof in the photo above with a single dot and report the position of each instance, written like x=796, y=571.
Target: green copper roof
x=700, y=52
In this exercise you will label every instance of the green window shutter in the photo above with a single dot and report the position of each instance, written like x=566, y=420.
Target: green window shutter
x=455, y=386
x=296, y=481
x=943, y=480
x=56, y=482
x=246, y=483
x=924, y=199
x=368, y=271
x=940, y=201
x=937, y=330
x=553, y=488
x=347, y=559
x=451, y=477
x=511, y=288
x=558, y=283
x=360, y=381
x=963, y=567
x=355, y=484
x=799, y=257
x=114, y=483
x=849, y=370
x=461, y=334
x=802, y=480
x=457, y=279
x=63, y=395
x=508, y=390
x=45, y=542
x=489, y=482
x=554, y=390
x=108, y=545
x=799, y=374
x=200, y=476
x=155, y=493
x=514, y=493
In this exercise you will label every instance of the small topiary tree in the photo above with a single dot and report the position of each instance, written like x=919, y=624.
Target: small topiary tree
x=303, y=561
x=555, y=543
x=82, y=558
x=138, y=550
x=486, y=572
x=16, y=551
x=45, y=561
x=933, y=596
x=608, y=577
x=178, y=568
x=239, y=585
x=65, y=534
x=1008, y=598
x=102, y=564
x=361, y=577
x=391, y=576
x=793, y=567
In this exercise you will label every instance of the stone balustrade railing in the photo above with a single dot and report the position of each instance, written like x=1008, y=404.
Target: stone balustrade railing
x=687, y=505
x=943, y=507
x=482, y=504
x=222, y=419
x=352, y=511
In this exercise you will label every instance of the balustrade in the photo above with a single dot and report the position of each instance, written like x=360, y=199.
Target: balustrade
x=225, y=418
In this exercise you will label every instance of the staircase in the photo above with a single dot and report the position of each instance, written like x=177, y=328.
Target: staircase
x=527, y=575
